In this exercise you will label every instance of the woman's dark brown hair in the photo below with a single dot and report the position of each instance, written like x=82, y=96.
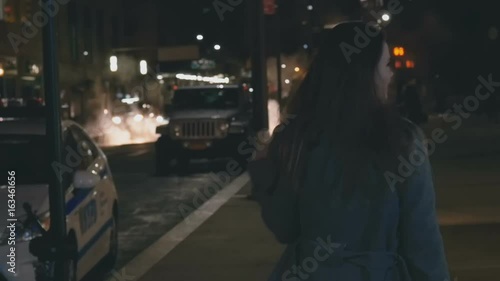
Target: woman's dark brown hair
x=338, y=102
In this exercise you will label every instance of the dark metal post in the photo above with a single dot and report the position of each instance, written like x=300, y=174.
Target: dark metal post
x=259, y=73
x=53, y=125
x=278, y=54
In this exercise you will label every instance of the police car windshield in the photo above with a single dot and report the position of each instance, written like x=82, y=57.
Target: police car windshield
x=27, y=156
x=205, y=99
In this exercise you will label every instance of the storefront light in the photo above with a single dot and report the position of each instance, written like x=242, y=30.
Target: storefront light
x=209, y=79
x=113, y=63
x=143, y=67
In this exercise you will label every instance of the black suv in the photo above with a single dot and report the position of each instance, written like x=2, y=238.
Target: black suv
x=204, y=122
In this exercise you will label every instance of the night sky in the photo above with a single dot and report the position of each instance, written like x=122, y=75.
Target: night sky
x=446, y=33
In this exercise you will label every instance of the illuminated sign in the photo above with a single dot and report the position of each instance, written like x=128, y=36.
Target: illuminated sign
x=398, y=51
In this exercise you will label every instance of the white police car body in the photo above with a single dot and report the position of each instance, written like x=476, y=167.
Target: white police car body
x=91, y=198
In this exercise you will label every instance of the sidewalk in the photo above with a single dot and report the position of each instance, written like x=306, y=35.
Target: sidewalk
x=233, y=244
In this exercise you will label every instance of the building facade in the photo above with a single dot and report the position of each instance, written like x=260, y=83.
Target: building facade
x=87, y=31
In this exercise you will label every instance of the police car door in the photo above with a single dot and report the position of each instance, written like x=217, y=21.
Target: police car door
x=86, y=203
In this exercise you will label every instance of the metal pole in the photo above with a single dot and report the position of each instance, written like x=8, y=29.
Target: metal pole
x=278, y=54
x=53, y=125
x=4, y=87
x=259, y=76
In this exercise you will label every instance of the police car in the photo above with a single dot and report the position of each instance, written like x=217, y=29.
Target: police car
x=91, y=198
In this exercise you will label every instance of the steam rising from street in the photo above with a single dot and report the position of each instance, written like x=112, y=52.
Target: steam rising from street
x=129, y=131
x=133, y=130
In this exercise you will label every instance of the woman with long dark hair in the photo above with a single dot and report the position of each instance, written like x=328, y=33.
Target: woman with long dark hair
x=335, y=184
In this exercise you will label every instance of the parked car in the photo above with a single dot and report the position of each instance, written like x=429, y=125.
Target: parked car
x=204, y=122
x=91, y=197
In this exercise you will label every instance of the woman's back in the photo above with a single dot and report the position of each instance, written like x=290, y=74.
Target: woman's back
x=324, y=209
x=388, y=234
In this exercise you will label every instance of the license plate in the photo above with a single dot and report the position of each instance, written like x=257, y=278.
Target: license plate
x=197, y=146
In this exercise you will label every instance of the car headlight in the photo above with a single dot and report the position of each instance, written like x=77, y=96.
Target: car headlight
x=138, y=117
x=117, y=120
x=25, y=232
x=161, y=120
x=223, y=126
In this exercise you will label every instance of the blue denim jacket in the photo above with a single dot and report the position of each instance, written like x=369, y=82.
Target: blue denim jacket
x=396, y=237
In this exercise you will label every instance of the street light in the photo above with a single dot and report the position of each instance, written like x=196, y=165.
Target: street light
x=199, y=37
x=386, y=17
x=217, y=47
x=309, y=7
x=113, y=63
x=305, y=46
x=143, y=67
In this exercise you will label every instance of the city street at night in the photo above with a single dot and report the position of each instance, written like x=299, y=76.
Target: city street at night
x=258, y=140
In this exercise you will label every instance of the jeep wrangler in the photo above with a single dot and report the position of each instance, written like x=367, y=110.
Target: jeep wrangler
x=204, y=122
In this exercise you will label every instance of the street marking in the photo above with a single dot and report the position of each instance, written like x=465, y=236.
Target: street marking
x=148, y=258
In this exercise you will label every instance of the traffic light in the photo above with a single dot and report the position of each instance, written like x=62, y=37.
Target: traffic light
x=399, y=51
x=9, y=10
x=410, y=64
